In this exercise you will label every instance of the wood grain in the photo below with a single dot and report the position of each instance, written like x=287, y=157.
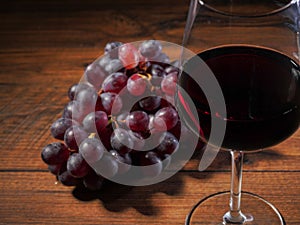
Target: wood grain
x=34, y=198
x=44, y=48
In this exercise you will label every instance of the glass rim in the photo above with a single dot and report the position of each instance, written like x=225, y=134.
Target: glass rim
x=253, y=15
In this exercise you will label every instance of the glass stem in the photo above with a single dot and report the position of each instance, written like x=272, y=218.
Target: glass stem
x=234, y=215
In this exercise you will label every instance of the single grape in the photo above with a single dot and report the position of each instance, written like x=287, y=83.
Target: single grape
x=109, y=102
x=95, y=75
x=168, y=144
x=91, y=149
x=124, y=161
x=84, y=91
x=95, y=121
x=72, y=91
x=180, y=131
x=77, y=166
x=107, y=166
x=74, y=136
x=121, y=141
x=138, y=121
x=162, y=58
x=113, y=66
x=151, y=122
x=59, y=127
x=137, y=84
x=54, y=169
x=138, y=140
x=169, y=83
x=55, y=153
x=69, y=109
x=150, y=49
x=129, y=55
x=93, y=181
x=67, y=179
x=151, y=164
x=104, y=61
x=73, y=111
x=86, y=99
x=165, y=102
x=172, y=69
x=157, y=72
x=105, y=135
x=150, y=103
x=75, y=88
x=111, y=49
x=115, y=82
x=165, y=119
x=166, y=160
x=152, y=141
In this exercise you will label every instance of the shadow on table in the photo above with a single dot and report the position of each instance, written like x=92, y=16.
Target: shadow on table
x=116, y=197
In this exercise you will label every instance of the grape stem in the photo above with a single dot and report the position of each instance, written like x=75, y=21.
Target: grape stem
x=92, y=135
x=112, y=120
x=148, y=76
x=100, y=91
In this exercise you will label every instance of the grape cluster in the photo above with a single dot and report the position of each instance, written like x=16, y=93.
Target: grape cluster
x=98, y=137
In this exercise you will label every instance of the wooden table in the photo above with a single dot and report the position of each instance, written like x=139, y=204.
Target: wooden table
x=44, y=48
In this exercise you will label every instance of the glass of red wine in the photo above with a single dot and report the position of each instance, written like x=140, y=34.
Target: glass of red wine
x=252, y=50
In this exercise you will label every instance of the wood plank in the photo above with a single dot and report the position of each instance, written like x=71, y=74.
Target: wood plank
x=92, y=24
x=34, y=198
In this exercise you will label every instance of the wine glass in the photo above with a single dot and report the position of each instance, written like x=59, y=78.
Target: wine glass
x=252, y=49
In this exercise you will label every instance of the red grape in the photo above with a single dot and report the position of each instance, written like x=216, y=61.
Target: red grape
x=95, y=75
x=92, y=149
x=169, y=83
x=111, y=49
x=115, y=82
x=150, y=103
x=74, y=136
x=150, y=49
x=138, y=121
x=129, y=56
x=59, y=127
x=137, y=84
x=124, y=161
x=165, y=119
x=95, y=121
x=109, y=102
x=67, y=179
x=151, y=164
x=55, y=153
x=77, y=166
x=107, y=166
x=121, y=141
x=168, y=144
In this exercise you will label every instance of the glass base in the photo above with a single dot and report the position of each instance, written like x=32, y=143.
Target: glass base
x=256, y=211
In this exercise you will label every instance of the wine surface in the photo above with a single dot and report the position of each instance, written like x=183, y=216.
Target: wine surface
x=261, y=89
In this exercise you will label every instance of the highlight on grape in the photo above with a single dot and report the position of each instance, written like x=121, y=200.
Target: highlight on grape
x=123, y=123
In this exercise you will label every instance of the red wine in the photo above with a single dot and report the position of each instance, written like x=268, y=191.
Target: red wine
x=261, y=88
